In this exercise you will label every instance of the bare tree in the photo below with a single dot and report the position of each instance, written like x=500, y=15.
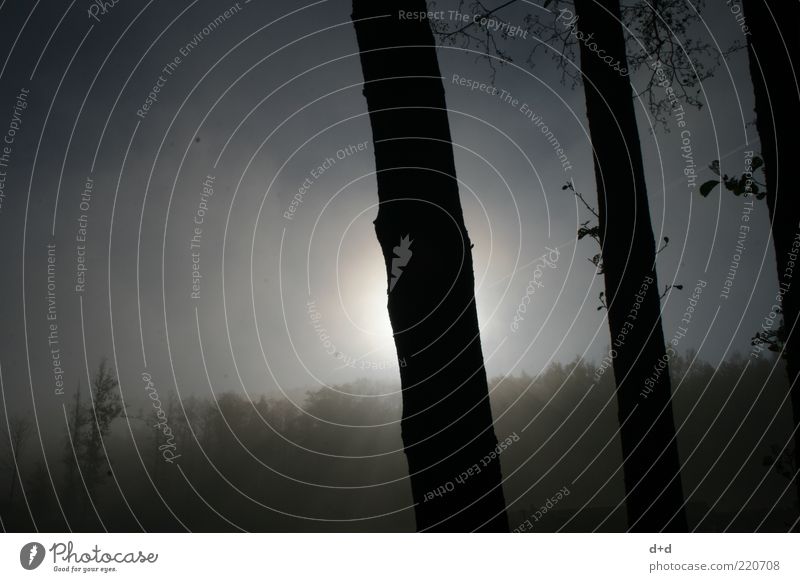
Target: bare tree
x=89, y=425
x=73, y=444
x=105, y=407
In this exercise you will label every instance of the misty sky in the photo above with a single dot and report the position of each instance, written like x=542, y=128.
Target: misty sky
x=264, y=101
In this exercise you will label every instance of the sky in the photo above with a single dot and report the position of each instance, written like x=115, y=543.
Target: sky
x=204, y=175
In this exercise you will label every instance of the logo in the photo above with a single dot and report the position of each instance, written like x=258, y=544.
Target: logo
x=402, y=254
x=31, y=555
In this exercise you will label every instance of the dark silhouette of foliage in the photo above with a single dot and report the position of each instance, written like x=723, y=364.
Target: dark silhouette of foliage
x=743, y=185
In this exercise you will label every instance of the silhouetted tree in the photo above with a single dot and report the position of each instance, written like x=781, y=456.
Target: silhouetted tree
x=85, y=451
x=447, y=423
x=647, y=430
x=106, y=406
x=659, y=33
x=774, y=53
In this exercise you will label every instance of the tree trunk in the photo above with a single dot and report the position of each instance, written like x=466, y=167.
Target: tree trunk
x=651, y=464
x=446, y=426
x=72, y=455
x=774, y=50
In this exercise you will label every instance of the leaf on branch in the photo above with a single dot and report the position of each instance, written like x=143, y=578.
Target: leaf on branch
x=597, y=262
x=707, y=187
x=592, y=231
x=601, y=297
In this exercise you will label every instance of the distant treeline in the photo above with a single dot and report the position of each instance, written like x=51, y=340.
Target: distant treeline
x=334, y=461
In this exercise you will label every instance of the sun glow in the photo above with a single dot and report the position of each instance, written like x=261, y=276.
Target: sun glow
x=363, y=302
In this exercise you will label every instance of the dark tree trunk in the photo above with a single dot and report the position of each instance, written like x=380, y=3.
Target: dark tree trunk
x=447, y=426
x=774, y=50
x=651, y=466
